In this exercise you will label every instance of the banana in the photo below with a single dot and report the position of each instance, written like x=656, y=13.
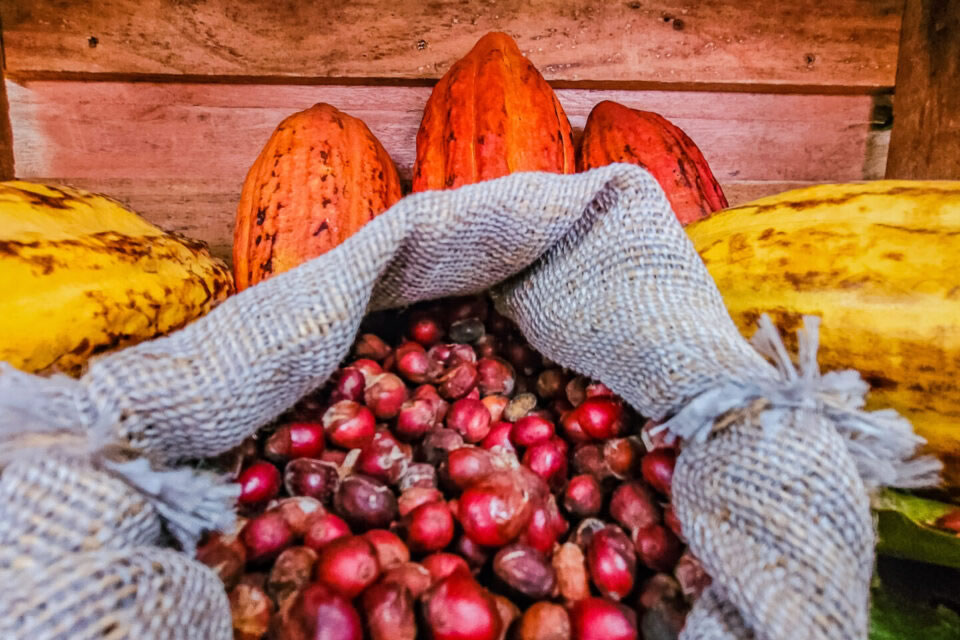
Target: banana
x=880, y=263
x=82, y=275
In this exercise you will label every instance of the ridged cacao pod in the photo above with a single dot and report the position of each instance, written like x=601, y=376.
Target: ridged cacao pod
x=615, y=133
x=320, y=177
x=490, y=115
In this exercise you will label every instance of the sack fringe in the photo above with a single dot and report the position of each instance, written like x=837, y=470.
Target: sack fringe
x=882, y=443
x=190, y=502
x=40, y=414
x=30, y=403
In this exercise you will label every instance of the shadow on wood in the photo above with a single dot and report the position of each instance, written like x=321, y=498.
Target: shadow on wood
x=925, y=142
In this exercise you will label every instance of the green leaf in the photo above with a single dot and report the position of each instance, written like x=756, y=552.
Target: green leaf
x=898, y=614
x=905, y=529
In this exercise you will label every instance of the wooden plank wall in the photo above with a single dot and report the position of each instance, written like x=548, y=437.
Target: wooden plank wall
x=925, y=143
x=165, y=104
x=6, y=135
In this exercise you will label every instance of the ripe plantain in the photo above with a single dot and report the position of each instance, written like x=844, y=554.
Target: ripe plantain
x=83, y=275
x=880, y=263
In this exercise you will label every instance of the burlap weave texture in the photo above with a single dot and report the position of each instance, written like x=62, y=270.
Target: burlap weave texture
x=616, y=291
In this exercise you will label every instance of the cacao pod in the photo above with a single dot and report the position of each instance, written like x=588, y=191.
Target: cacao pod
x=490, y=115
x=615, y=133
x=320, y=177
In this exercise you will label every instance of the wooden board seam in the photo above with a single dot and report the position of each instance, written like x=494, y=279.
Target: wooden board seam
x=720, y=87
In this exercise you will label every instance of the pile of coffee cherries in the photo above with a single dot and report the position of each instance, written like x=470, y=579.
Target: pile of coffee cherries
x=449, y=482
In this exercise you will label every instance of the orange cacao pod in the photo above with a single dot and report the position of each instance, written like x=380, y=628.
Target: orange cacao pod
x=615, y=133
x=490, y=115
x=320, y=177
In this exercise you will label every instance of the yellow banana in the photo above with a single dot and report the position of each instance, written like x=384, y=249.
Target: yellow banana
x=880, y=263
x=82, y=275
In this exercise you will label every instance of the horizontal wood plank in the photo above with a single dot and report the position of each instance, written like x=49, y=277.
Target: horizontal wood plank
x=849, y=44
x=168, y=130
x=178, y=152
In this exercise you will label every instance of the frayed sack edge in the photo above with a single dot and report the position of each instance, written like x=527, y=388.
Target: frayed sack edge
x=882, y=443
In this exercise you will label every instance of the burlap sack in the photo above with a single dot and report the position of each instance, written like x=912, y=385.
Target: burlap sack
x=599, y=276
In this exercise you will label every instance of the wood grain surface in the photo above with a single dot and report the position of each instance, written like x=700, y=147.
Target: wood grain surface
x=6, y=131
x=167, y=130
x=925, y=141
x=844, y=45
x=178, y=152
x=6, y=135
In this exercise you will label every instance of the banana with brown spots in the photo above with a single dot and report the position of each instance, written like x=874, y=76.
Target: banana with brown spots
x=82, y=275
x=880, y=263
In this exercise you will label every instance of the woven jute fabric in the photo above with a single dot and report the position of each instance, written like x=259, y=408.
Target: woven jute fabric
x=56, y=504
x=600, y=277
x=614, y=259
x=140, y=592
x=715, y=618
x=782, y=522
